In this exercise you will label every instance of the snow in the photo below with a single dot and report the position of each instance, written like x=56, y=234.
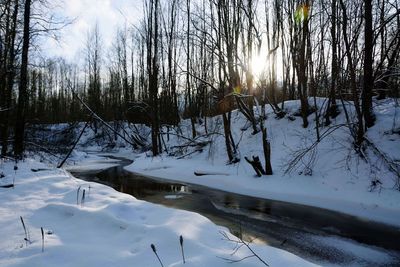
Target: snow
x=114, y=229
x=94, y=165
x=340, y=180
x=106, y=228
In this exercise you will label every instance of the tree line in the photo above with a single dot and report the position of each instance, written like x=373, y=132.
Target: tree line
x=193, y=59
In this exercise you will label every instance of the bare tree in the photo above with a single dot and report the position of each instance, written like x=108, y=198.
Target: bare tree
x=368, y=62
x=358, y=133
x=93, y=61
x=23, y=83
x=7, y=68
x=152, y=45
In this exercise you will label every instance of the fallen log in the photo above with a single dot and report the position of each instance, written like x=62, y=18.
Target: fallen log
x=40, y=170
x=202, y=173
x=7, y=186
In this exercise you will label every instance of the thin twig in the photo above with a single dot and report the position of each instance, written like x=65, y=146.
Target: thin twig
x=240, y=243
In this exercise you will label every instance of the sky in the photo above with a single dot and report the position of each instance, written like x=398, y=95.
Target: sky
x=109, y=14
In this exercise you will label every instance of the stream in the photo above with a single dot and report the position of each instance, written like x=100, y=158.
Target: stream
x=320, y=236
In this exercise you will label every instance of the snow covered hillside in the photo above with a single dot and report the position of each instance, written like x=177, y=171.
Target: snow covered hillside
x=330, y=176
x=88, y=224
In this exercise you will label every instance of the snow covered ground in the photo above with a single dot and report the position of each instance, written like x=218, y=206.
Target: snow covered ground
x=340, y=179
x=105, y=228
x=114, y=229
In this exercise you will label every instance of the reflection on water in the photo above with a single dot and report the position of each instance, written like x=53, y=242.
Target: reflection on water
x=289, y=226
x=229, y=202
x=140, y=187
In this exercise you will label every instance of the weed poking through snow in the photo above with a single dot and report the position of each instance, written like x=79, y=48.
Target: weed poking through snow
x=15, y=174
x=41, y=229
x=27, y=237
x=183, y=254
x=77, y=195
x=155, y=252
x=83, y=197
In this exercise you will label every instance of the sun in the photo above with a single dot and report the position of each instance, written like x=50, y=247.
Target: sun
x=259, y=65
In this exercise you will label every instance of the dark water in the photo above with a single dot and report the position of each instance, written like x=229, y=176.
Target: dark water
x=315, y=234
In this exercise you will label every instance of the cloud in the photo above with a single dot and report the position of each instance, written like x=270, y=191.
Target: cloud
x=107, y=13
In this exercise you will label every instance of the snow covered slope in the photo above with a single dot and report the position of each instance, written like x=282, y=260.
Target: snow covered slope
x=331, y=176
x=105, y=228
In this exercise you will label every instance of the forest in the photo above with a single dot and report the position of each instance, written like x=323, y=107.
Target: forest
x=269, y=126
x=196, y=59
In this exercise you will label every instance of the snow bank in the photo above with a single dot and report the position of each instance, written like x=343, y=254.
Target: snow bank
x=105, y=228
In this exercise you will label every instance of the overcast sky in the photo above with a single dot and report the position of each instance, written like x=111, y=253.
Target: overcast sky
x=86, y=12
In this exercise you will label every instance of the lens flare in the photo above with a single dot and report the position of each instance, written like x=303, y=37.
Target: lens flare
x=302, y=13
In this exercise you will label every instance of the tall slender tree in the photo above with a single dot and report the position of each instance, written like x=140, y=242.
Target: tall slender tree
x=7, y=70
x=368, y=70
x=152, y=45
x=23, y=84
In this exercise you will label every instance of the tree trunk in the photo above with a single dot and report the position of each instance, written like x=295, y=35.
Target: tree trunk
x=267, y=152
x=22, y=94
x=358, y=133
x=227, y=133
x=153, y=84
x=331, y=109
x=8, y=80
x=368, y=72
